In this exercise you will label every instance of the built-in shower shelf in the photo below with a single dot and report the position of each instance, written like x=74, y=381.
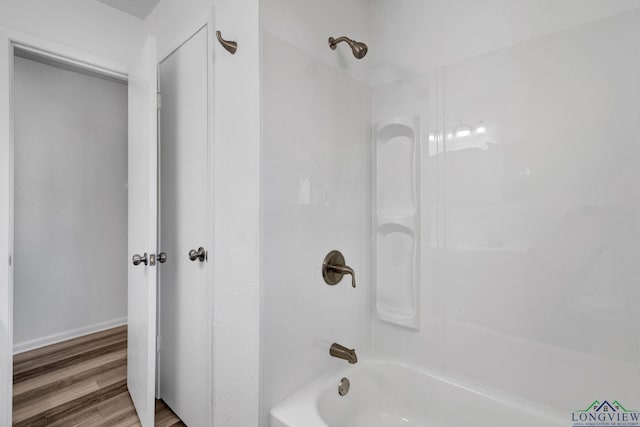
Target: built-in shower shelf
x=401, y=220
x=397, y=220
x=396, y=127
x=395, y=213
x=488, y=249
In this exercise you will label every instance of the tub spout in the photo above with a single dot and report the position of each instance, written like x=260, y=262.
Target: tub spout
x=342, y=352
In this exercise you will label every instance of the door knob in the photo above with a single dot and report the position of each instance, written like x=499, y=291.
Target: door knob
x=199, y=254
x=137, y=259
x=162, y=257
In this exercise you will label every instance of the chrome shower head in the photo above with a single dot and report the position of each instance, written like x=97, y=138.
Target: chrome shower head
x=359, y=49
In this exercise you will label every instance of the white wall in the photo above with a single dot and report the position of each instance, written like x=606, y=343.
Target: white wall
x=315, y=192
x=531, y=227
x=89, y=26
x=70, y=204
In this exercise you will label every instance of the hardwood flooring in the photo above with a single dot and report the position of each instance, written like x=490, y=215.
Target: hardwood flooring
x=80, y=382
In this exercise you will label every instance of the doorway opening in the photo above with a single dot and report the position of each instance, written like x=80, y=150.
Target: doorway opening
x=70, y=235
x=70, y=201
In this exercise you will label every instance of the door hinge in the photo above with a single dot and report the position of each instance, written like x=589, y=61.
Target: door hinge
x=158, y=344
x=10, y=261
x=159, y=101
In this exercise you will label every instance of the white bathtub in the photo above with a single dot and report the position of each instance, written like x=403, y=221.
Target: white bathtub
x=385, y=394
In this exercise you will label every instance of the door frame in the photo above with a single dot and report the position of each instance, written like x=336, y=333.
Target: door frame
x=61, y=54
x=208, y=234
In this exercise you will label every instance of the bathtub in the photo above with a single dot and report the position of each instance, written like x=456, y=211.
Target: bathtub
x=386, y=394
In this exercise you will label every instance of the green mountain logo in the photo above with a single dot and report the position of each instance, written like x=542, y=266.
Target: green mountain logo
x=605, y=406
x=617, y=405
x=595, y=404
x=600, y=414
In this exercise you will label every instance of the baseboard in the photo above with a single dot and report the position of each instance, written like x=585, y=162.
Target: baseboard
x=67, y=335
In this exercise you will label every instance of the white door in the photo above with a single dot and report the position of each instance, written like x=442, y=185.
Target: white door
x=185, y=350
x=143, y=185
x=6, y=298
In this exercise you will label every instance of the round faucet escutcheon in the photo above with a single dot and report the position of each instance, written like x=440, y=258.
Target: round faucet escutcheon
x=334, y=268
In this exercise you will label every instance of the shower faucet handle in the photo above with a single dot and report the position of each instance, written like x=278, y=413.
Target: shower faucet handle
x=334, y=268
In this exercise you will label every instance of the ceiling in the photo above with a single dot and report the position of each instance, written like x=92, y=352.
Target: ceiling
x=138, y=8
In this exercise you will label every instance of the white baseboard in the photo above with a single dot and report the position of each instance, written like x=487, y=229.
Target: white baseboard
x=67, y=335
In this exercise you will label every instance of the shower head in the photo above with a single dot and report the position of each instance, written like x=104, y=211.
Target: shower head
x=359, y=49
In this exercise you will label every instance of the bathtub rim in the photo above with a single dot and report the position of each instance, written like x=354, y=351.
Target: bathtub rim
x=304, y=401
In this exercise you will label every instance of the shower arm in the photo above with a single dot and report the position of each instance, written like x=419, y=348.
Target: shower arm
x=333, y=43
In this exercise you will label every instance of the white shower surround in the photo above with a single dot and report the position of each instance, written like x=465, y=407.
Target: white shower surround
x=413, y=78
x=531, y=222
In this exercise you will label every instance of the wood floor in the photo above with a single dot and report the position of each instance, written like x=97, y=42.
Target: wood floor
x=81, y=382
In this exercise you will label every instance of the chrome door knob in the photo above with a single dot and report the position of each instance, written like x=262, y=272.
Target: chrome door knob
x=137, y=259
x=162, y=257
x=199, y=254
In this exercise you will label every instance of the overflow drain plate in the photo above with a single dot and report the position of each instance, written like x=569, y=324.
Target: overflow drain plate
x=344, y=386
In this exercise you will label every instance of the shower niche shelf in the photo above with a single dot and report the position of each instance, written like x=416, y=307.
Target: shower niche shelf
x=397, y=220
